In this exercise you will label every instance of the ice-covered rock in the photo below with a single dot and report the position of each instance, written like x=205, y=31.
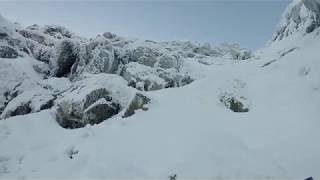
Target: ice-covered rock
x=235, y=103
x=39, y=96
x=300, y=17
x=92, y=100
x=146, y=78
x=138, y=102
x=29, y=101
x=234, y=96
x=55, y=53
x=67, y=56
x=8, y=52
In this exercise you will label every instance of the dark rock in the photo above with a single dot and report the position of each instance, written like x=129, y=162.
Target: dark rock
x=3, y=35
x=47, y=105
x=22, y=109
x=173, y=177
x=72, y=152
x=100, y=112
x=138, y=102
x=234, y=104
x=68, y=120
x=67, y=57
x=132, y=83
x=268, y=63
x=78, y=117
x=237, y=106
x=109, y=35
x=286, y=52
x=8, y=52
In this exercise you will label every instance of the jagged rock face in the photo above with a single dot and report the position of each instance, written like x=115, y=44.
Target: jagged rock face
x=301, y=16
x=138, y=102
x=95, y=58
x=92, y=96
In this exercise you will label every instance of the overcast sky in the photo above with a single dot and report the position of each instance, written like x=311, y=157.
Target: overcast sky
x=247, y=22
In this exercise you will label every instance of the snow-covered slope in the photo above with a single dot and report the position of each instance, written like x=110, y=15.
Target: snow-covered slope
x=257, y=118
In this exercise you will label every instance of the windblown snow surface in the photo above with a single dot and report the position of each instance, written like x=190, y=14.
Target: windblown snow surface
x=187, y=130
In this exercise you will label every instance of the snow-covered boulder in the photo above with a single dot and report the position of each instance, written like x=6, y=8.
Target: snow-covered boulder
x=75, y=115
x=58, y=32
x=235, y=103
x=234, y=96
x=138, y=102
x=28, y=102
x=8, y=52
x=92, y=100
x=146, y=78
x=234, y=51
x=39, y=96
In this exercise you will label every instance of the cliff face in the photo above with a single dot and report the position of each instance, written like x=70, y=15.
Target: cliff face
x=300, y=17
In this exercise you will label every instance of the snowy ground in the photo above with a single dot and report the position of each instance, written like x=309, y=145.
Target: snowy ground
x=187, y=131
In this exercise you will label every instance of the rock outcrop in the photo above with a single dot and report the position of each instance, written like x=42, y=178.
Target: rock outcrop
x=301, y=17
x=90, y=80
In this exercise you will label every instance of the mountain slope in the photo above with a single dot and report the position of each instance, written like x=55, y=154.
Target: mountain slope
x=300, y=17
x=191, y=131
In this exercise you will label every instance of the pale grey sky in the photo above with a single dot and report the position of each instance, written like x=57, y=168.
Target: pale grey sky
x=247, y=22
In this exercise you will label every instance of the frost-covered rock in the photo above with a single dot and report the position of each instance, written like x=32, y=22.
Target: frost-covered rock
x=76, y=115
x=92, y=100
x=138, y=102
x=234, y=51
x=234, y=97
x=146, y=78
x=55, y=53
x=27, y=102
x=67, y=56
x=138, y=73
x=58, y=32
x=33, y=35
x=8, y=52
x=234, y=103
x=39, y=97
x=300, y=17
x=95, y=58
